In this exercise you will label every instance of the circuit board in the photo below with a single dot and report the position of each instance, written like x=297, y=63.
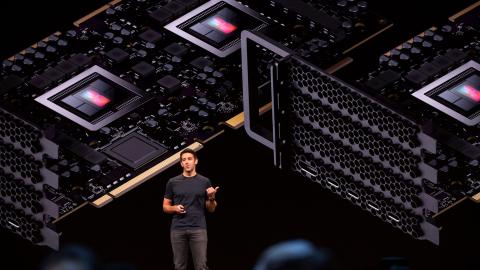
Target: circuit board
x=94, y=110
x=432, y=79
x=399, y=140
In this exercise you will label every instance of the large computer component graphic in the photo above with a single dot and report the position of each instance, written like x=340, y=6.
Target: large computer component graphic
x=99, y=107
x=400, y=141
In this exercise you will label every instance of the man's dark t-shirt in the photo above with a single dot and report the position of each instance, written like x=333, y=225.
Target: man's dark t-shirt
x=191, y=192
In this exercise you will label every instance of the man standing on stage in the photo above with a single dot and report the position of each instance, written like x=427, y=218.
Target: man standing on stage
x=186, y=197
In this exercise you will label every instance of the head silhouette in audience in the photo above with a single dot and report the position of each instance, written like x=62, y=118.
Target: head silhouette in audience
x=294, y=255
x=73, y=257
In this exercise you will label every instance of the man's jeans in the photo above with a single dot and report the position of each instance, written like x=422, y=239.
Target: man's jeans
x=197, y=241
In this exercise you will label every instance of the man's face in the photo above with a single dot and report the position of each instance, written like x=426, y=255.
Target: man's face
x=188, y=162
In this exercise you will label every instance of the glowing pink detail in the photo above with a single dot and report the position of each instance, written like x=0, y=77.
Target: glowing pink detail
x=470, y=92
x=95, y=98
x=221, y=25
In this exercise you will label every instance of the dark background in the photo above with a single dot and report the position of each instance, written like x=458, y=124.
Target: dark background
x=258, y=204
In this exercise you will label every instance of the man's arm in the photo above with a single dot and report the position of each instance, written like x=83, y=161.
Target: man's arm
x=172, y=209
x=211, y=203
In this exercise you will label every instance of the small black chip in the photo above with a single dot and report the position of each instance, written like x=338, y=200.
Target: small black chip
x=144, y=69
x=80, y=60
x=456, y=55
x=117, y=55
x=176, y=49
x=442, y=62
x=375, y=84
x=383, y=79
x=66, y=67
x=416, y=77
x=160, y=16
x=53, y=74
x=174, y=7
x=429, y=69
x=150, y=35
x=10, y=82
x=39, y=82
x=389, y=76
x=135, y=150
x=170, y=83
x=187, y=3
x=201, y=62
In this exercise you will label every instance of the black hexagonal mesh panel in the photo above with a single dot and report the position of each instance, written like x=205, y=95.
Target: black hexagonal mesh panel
x=14, y=130
x=24, y=208
x=17, y=162
x=345, y=129
x=352, y=145
x=357, y=192
x=19, y=222
x=361, y=109
x=19, y=192
x=323, y=147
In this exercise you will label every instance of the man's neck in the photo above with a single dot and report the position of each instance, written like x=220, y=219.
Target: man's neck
x=189, y=174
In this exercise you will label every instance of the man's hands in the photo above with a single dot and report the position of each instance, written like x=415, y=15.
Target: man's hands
x=172, y=209
x=179, y=209
x=211, y=204
x=211, y=192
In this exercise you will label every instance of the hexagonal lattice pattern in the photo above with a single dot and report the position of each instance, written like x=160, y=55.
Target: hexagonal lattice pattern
x=19, y=192
x=349, y=103
x=17, y=131
x=357, y=193
x=354, y=146
x=323, y=147
x=17, y=161
x=17, y=221
x=362, y=139
x=24, y=208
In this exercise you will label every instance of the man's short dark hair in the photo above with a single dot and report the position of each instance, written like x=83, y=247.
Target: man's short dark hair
x=188, y=150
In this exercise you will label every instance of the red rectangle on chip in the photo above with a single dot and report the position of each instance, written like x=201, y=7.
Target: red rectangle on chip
x=95, y=98
x=221, y=25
